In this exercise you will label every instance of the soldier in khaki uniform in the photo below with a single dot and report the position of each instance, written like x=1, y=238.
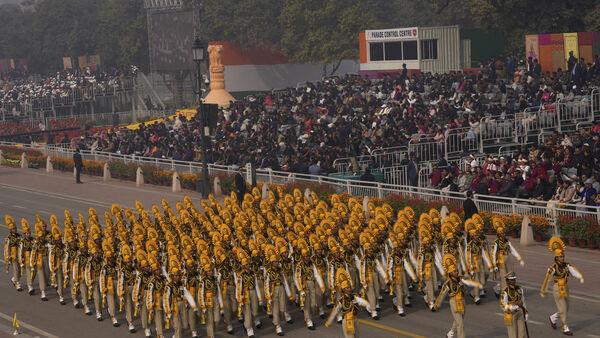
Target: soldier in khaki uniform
x=453, y=287
x=512, y=302
x=560, y=272
x=11, y=250
x=347, y=304
x=501, y=252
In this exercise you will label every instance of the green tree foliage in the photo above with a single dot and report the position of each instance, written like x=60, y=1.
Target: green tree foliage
x=47, y=30
x=44, y=31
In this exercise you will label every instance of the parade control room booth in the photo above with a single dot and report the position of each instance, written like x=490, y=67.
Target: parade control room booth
x=422, y=49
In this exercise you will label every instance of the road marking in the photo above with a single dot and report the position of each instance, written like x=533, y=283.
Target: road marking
x=528, y=321
x=19, y=207
x=586, y=298
x=389, y=328
x=55, y=195
x=593, y=336
x=156, y=191
x=29, y=326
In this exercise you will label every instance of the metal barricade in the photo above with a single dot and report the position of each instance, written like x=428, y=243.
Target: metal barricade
x=458, y=141
x=495, y=131
x=427, y=151
x=397, y=175
x=595, y=99
x=573, y=112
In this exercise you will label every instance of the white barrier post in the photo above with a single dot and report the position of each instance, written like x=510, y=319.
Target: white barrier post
x=526, y=232
x=366, y=207
x=49, y=166
x=176, y=186
x=444, y=213
x=307, y=195
x=265, y=191
x=139, y=177
x=105, y=173
x=217, y=187
x=24, y=162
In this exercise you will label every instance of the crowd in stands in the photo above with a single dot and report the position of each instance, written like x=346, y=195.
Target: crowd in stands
x=565, y=169
x=18, y=88
x=313, y=125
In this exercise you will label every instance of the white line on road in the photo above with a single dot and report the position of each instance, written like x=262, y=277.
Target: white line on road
x=593, y=336
x=528, y=321
x=29, y=326
x=19, y=207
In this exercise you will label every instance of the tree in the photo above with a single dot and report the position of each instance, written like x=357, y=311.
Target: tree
x=245, y=22
x=327, y=31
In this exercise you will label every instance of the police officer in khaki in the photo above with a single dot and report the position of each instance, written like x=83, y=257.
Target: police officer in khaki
x=512, y=302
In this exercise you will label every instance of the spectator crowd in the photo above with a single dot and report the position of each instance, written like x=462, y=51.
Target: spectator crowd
x=351, y=116
x=565, y=169
x=18, y=89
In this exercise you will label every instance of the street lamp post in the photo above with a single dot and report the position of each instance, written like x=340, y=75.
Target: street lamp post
x=198, y=53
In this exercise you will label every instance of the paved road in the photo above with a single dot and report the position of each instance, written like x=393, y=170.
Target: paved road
x=23, y=194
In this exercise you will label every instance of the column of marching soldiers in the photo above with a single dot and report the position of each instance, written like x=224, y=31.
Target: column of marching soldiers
x=183, y=268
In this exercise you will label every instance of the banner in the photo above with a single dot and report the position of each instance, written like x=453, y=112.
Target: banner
x=532, y=46
x=82, y=61
x=67, y=62
x=571, y=45
x=394, y=34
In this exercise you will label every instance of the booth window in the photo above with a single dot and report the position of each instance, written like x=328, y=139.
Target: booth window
x=376, y=51
x=393, y=51
x=409, y=50
x=429, y=50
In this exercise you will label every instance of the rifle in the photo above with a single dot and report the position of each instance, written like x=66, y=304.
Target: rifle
x=525, y=319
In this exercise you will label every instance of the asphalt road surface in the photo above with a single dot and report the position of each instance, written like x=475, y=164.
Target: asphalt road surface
x=30, y=192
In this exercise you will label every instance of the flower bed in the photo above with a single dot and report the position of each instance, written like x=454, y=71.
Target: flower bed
x=580, y=231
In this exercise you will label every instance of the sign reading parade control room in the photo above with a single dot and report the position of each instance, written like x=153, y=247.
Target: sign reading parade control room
x=392, y=34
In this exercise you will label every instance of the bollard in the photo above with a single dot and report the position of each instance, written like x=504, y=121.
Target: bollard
x=1, y=157
x=176, y=186
x=217, y=187
x=139, y=177
x=366, y=207
x=526, y=232
x=49, y=166
x=106, y=173
x=24, y=162
x=444, y=213
x=265, y=191
x=307, y=196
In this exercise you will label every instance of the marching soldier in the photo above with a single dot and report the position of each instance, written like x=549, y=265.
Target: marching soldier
x=154, y=294
x=453, y=287
x=226, y=296
x=11, y=251
x=208, y=295
x=426, y=266
x=307, y=280
x=512, y=302
x=560, y=272
x=39, y=252
x=500, y=254
x=274, y=287
x=475, y=257
x=56, y=255
x=108, y=278
x=347, y=304
x=399, y=266
x=126, y=279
